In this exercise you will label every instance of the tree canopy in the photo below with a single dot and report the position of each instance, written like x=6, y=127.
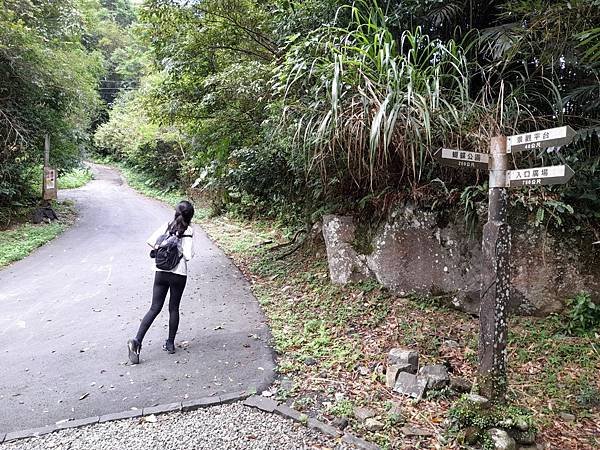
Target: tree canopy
x=292, y=108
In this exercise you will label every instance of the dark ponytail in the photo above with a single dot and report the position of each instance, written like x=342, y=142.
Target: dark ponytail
x=184, y=212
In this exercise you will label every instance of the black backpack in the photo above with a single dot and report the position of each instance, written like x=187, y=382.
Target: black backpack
x=167, y=254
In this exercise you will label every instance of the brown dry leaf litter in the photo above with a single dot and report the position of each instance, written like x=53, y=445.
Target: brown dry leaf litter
x=347, y=331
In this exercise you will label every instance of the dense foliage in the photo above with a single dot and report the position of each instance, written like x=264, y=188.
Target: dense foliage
x=290, y=109
x=53, y=56
x=312, y=106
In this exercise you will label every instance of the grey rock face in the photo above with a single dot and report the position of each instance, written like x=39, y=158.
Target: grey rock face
x=413, y=253
x=411, y=385
x=345, y=264
x=436, y=375
x=406, y=360
x=502, y=441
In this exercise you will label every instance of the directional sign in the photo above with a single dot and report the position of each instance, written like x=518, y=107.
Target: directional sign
x=538, y=176
x=461, y=158
x=552, y=137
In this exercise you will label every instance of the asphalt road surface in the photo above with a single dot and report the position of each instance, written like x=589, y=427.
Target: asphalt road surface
x=69, y=308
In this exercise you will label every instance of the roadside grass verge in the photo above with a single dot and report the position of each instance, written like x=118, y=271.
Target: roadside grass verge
x=75, y=178
x=21, y=239
x=332, y=343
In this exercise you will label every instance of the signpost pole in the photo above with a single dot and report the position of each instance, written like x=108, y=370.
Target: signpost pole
x=45, y=201
x=49, y=187
x=495, y=280
x=47, y=150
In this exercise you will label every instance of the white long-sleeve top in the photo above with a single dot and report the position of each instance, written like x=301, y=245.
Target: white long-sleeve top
x=187, y=248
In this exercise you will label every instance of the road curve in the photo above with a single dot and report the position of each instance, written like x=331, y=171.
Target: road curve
x=69, y=308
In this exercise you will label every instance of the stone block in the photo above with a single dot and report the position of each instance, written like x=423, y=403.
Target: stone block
x=286, y=411
x=29, y=433
x=233, y=397
x=411, y=385
x=324, y=428
x=204, y=402
x=121, y=415
x=502, y=441
x=522, y=437
x=363, y=414
x=460, y=385
x=162, y=409
x=403, y=357
x=78, y=423
x=359, y=443
x=262, y=403
x=392, y=371
x=477, y=402
x=372, y=424
x=436, y=375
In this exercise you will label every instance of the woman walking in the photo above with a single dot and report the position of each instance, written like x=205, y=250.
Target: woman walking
x=175, y=237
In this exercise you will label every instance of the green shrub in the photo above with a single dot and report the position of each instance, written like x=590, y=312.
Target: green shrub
x=583, y=314
x=342, y=408
x=470, y=421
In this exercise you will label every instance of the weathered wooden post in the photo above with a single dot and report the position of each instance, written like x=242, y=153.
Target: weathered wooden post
x=49, y=187
x=495, y=280
x=46, y=150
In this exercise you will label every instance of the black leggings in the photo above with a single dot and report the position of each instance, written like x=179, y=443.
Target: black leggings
x=163, y=281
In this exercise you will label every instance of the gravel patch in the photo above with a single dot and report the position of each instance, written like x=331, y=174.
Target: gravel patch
x=231, y=426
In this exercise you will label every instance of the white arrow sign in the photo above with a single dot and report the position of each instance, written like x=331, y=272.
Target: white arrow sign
x=538, y=176
x=462, y=158
x=552, y=137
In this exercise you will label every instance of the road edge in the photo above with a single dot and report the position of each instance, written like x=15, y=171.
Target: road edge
x=249, y=398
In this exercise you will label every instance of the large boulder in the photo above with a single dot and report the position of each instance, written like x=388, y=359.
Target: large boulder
x=412, y=254
x=345, y=264
x=417, y=252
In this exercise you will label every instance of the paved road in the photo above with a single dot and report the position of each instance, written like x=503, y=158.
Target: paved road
x=69, y=308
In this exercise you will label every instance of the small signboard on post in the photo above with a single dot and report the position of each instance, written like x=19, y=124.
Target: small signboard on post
x=50, y=188
x=461, y=158
x=539, y=176
x=551, y=137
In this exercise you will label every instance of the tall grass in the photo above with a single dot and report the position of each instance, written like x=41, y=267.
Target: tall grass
x=380, y=103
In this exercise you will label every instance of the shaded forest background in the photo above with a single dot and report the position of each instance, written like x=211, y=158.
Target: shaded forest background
x=291, y=109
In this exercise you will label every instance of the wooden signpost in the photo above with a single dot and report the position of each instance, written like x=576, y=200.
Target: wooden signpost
x=496, y=244
x=49, y=185
x=49, y=188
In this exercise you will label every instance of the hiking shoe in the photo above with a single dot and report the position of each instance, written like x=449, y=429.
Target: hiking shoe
x=134, y=347
x=169, y=346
